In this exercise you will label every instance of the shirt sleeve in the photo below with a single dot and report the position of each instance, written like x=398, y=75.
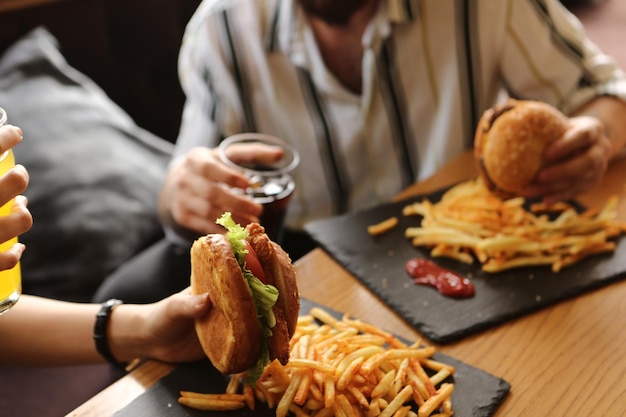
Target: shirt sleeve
x=547, y=56
x=212, y=105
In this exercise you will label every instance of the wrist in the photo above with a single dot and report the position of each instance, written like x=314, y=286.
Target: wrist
x=102, y=333
x=125, y=334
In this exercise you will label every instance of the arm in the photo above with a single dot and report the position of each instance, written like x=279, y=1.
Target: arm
x=193, y=195
x=39, y=331
x=564, y=68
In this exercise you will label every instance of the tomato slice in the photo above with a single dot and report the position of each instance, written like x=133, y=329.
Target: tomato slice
x=252, y=263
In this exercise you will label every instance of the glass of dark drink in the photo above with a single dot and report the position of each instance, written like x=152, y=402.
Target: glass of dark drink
x=271, y=184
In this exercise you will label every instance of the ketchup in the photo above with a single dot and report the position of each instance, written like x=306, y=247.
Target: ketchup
x=448, y=283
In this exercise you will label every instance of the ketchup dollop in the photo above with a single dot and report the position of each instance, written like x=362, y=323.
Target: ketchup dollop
x=448, y=283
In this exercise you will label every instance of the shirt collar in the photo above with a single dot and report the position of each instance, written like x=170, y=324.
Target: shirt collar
x=286, y=32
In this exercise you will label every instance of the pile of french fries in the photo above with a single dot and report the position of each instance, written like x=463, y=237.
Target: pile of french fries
x=471, y=223
x=345, y=368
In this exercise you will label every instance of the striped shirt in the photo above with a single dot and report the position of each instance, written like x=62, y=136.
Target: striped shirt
x=430, y=68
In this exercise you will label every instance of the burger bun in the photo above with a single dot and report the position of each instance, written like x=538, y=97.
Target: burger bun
x=510, y=141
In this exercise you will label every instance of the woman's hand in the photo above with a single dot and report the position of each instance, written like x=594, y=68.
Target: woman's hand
x=574, y=163
x=19, y=221
x=163, y=330
x=12, y=184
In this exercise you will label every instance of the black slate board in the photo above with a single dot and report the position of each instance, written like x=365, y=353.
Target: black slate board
x=378, y=262
x=476, y=394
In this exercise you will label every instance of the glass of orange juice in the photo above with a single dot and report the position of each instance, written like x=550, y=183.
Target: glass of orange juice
x=10, y=279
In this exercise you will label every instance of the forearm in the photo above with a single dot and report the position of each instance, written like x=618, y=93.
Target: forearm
x=611, y=112
x=42, y=332
x=39, y=331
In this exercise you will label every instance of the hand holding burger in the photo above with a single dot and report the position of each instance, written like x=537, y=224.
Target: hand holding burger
x=531, y=149
x=573, y=164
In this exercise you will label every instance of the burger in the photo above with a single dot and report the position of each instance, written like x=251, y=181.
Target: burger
x=510, y=141
x=251, y=283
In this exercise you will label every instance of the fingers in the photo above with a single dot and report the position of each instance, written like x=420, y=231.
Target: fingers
x=204, y=188
x=205, y=163
x=9, y=137
x=18, y=221
x=14, y=182
x=10, y=257
x=573, y=164
x=583, y=133
x=185, y=305
x=254, y=153
x=199, y=305
x=568, y=179
x=198, y=208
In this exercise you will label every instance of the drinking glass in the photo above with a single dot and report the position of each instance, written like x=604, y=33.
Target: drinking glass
x=270, y=184
x=10, y=279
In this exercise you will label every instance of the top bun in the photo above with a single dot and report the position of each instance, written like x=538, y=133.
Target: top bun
x=510, y=141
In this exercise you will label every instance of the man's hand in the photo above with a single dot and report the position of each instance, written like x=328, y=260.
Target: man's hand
x=574, y=163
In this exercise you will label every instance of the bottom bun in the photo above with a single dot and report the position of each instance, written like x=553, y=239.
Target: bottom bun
x=230, y=333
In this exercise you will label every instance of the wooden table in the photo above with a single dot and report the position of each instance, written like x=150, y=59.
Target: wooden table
x=564, y=360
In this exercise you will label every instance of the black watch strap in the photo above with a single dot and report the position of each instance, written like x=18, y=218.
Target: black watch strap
x=100, y=332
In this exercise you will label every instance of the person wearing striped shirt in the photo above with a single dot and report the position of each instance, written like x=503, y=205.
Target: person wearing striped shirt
x=377, y=94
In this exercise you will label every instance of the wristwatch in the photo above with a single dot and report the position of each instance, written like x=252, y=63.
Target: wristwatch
x=100, y=332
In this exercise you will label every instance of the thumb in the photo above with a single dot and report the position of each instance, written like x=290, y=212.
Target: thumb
x=196, y=305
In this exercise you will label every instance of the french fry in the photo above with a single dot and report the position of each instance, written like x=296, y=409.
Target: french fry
x=343, y=367
x=346, y=375
x=382, y=227
x=397, y=402
x=233, y=384
x=436, y=400
x=324, y=412
x=384, y=384
x=287, y=399
x=343, y=406
x=248, y=396
x=303, y=389
x=227, y=397
x=329, y=392
x=308, y=363
x=212, y=404
x=469, y=223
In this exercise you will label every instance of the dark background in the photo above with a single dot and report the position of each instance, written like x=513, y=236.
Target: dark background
x=128, y=47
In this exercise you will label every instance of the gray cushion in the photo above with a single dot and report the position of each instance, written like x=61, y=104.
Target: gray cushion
x=94, y=174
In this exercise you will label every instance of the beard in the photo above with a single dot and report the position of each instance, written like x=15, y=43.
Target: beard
x=333, y=12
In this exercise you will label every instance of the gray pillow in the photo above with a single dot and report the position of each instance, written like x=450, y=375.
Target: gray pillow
x=94, y=174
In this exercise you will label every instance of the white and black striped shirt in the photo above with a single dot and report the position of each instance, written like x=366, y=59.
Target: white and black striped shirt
x=430, y=69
